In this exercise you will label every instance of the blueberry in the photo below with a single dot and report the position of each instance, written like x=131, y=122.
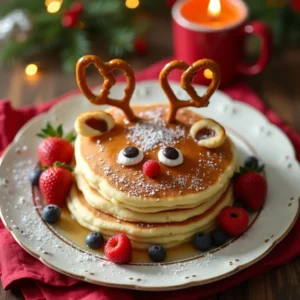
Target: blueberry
x=251, y=162
x=34, y=176
x=239, y=204
x=202, y=242
x=157, y=253
x=94, y=240
x=51, y=213
x=219, y=237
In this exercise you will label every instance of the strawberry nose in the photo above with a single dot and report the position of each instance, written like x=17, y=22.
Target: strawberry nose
x=151, y=168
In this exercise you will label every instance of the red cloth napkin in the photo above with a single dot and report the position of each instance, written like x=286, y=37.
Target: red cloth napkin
x=36, y=281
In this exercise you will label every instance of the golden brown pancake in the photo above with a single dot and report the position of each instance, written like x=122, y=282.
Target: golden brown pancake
x=203, y=173
x=144, y=234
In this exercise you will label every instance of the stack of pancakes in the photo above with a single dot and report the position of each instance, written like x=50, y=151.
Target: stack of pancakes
x=168, y=210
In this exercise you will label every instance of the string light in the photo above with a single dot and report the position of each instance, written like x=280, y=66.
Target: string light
x=53, y=6
x=208, y=74
x=132, y=3
x=31, y=69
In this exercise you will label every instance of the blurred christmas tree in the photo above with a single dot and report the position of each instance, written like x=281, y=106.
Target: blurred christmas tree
x=68, y=27
x=283, y=16
x=71, y=28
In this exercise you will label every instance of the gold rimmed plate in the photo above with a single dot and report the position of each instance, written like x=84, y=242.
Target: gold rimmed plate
x=57, y=247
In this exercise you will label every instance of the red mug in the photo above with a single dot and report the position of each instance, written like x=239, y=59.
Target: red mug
x=224, y=45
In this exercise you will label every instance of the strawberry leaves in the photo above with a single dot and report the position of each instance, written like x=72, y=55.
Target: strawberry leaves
x=63, y=165
x=244, y=169
x=58, y=164
x=70, y=137
x=50, y=131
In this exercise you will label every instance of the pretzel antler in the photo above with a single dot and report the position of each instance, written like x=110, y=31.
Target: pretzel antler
x=106, y=70
x=186, y=83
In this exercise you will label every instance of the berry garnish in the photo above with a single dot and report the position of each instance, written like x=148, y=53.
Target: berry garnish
x=55, y=183
x=94, y=240
x=54, y=147
x=251, y=162
x=118, y=249
x=151, y=168
x=157, y=253
x=219, y=237
x=34, y=176
x=202, y=242
x=233, y=220
x=76, y=8
x=251, y=188
x=51, y=213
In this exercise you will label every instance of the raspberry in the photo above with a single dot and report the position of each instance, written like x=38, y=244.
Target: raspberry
x=151, y=168
x=118, y=249
x=233, y=220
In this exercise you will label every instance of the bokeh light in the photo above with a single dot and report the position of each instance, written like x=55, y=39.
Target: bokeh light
x=53, y=6
x=31, y=69
x=208, y=74
x=132, y=3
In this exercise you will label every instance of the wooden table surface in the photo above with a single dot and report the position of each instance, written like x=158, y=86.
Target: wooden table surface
x=278, y=86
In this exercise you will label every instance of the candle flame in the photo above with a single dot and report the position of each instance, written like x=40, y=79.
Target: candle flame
x=214, y=8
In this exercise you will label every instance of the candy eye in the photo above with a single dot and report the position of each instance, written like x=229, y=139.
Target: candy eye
x=130, y=156
x=170, y=157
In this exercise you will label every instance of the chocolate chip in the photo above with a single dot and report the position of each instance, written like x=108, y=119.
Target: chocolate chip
x=131, y=152
x=170, y=153
x=97, y=124
x=204, y=133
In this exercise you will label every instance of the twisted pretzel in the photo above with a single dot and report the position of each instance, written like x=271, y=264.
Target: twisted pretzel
x=106, y=70
x=186, y=83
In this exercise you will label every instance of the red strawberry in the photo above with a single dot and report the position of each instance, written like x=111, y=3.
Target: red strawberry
x=151, y=168
x=251, y=188
x=55, y=183
x=233, y=220
x=54, y=147
x=118, y=249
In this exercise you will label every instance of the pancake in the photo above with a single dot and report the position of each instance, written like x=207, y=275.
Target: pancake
x=123, y=212
x=202, y=175
x=144, y=234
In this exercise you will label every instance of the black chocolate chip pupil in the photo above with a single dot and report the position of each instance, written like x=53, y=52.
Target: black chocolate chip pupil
x=170, y=153
x=131, y=152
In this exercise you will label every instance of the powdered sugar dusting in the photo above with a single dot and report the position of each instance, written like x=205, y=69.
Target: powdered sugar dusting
x=151, y=134
x=148, y=135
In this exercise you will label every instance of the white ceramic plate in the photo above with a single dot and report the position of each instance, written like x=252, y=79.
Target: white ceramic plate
x=244, y=124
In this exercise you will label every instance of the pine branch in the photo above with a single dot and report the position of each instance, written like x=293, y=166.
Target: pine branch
x=100, y=8
x=32, y=6
x=76, y=45
x=120, y=40
x=13, y=50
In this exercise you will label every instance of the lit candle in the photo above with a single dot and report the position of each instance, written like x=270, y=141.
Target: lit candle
x=216, y=29
x=213, y=13
x=214, y=8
